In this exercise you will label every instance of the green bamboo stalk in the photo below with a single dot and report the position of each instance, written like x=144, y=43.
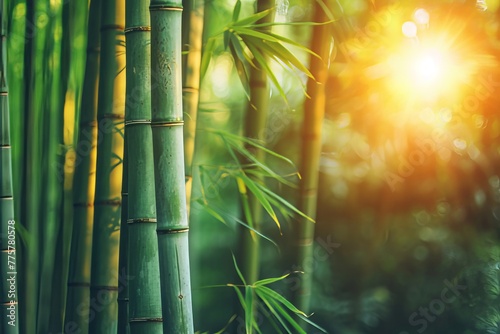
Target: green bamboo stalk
x=70, y=30
x=314, y=109
x=84, y=183
x=31, y=178
x=145, y=301
x=103, y=311
x=52, y=182
x=167, y=125
x=255, y=126
x=192, y=39
x=123, y=260
x=8, y=295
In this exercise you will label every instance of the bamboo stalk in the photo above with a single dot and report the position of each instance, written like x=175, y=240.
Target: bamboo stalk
x=103, y=310
x=167, y=125
x=255, y=126
x=145, y=301
x=314, y=109
x=123, y=260
x=52, y=182
x=31, y=177
x=8, y=296
x=192, y=37
x=84, y=183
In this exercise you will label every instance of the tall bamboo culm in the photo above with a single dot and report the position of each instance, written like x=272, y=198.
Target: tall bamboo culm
x=192, y=38
x=123, y=259
x=31, y=179
x=255, y=128
x=84, y=182
x=103, y=310
x=7, y=222
x=314, y=109
x=167, y=125
x=145, y=301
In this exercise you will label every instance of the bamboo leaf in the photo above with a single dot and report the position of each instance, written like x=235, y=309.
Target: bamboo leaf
x=243, y=32
x=292, y=42
x=226, y=39
x=239, y=221
x=286, y=203
x=271, y=280
x=287, y=316
x=235, y=49
x=279, y=298
x=252, y=142
x=276, y=49
x=244, y=199
x=265, y=67
x=306, y=24
x=312, y=323
x=239, y=294
x=207, y=55
x=259, y=195
x=248, y=309
x=236, y=11
x=251, y=19
x=263, y=297
x=239, y=273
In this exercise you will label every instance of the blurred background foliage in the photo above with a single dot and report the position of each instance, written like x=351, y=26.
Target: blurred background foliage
x=409, y=181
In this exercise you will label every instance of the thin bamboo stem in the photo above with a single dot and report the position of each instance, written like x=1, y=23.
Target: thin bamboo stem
x=255, y=126
x=103, y=310
x=314, y=109
x=192, y=37
x=84, y=184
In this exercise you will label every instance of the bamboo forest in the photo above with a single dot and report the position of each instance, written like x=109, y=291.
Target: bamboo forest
x=250, y=166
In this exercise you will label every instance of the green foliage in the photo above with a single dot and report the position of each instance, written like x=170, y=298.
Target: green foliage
x=271, y=303
x=269, y=199
x=249, y=46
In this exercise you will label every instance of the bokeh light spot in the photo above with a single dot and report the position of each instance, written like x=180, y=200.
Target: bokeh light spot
x=409, y=29
x=421, y=16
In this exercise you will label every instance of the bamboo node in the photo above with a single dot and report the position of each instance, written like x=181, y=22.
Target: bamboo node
x=141, y=220
x=158, y=124
x=172, y=231
x=165, y=7
x=146, y=320
x=137, y=122
x=137, y=29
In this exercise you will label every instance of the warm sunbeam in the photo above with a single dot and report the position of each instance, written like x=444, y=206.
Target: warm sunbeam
x=428, y=68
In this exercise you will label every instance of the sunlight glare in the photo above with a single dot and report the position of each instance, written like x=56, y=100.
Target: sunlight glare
x=427, y=68
x=409, y=29
x=421, y=16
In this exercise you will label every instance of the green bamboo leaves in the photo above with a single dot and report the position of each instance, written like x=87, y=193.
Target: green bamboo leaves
x=144, y=299
x=9, y=324
x=106, y=233
x=251, y=46
x=168, y=150
x=280, y=312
